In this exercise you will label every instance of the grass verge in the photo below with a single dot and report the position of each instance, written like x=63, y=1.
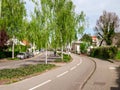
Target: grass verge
x=17, y=74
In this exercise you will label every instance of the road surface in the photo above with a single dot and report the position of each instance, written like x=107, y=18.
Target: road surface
x=71, y=76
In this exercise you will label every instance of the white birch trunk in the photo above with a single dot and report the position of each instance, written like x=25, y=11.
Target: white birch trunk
x=13, y=47
x=62, y=53
x=46, y=56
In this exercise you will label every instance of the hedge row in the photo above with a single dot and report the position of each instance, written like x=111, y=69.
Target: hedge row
x=107, y=52
x=5, y=54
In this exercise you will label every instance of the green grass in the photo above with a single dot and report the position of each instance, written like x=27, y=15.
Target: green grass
x=13, y=58
x=12, y=75
x=66, y=58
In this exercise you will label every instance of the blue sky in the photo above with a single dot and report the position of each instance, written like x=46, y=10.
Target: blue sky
x=92, y=8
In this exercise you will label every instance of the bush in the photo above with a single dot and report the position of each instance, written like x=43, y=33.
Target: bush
x=107, y=52
x=117, y=57
x=66, y=58
x=5, y=54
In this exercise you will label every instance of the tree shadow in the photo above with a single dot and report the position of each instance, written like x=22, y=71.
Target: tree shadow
x=117, y=80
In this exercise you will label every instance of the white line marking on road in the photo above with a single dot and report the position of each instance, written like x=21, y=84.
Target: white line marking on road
x=41, y=84
x=62, y=74
x=73, y=68
x=112, y=68
x=79, y=62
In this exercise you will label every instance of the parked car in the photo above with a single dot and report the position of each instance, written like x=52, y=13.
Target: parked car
x=22, y=55
x=29, y=54
x=36, y=52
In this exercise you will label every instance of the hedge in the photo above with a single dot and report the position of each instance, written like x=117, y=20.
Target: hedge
x=106, y=52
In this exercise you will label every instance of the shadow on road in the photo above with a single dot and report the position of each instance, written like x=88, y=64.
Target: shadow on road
x=117, y=81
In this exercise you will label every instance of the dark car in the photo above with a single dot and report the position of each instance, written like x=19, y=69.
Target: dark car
x=29, y=54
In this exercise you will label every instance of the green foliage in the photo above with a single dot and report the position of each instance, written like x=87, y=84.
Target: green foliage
x=20, y=48
x=12, y=13
x=22, y=72
x=107, y=52
x=87, y=38
x=83, y=47
x=117, y=57
x=66, y=58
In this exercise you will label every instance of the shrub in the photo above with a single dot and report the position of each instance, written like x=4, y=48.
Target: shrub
x=5, y=54
x=107, y=52
x=117, y=57
x=66, y=58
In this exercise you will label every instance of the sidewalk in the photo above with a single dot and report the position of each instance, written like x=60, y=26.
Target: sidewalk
x=106, y=76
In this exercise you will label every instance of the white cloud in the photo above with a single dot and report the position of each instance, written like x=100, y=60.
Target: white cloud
x=94, y=8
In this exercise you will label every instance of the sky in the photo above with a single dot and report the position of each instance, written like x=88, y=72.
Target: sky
x=92, y=8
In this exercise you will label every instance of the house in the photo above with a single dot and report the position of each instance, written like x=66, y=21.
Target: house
x=76, y=46
x=95, y=41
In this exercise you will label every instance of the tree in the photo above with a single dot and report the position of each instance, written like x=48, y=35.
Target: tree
x=3, y=39
x=56, y=22
x=67, y=24
x=12, y=14
x=106, y=26
x=87, y=38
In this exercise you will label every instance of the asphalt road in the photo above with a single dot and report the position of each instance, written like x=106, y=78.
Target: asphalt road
x=38, y=59
x=71, y=76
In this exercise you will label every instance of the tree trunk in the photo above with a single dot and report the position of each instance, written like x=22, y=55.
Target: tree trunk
x=46, y=55
x=13, y=47
x=101, y=43
x=62, y=53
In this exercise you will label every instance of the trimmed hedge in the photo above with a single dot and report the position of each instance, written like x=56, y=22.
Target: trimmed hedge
x=107, y=52
x=5, y=54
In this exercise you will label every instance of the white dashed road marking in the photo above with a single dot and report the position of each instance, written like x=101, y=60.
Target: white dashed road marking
x=73, y=68
x=112, y=68
x=41, y=84
x=62, y=74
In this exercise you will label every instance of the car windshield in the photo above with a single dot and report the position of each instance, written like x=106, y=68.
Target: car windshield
x=21, y=53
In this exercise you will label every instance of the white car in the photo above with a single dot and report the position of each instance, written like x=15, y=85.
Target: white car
x=22, y=55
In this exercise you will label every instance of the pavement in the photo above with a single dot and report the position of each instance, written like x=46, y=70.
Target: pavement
x=70, y=76
x=105, y=77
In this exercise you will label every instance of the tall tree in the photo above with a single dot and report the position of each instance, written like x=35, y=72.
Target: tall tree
x=12, y=14
x=67, y=24
x=106, y=26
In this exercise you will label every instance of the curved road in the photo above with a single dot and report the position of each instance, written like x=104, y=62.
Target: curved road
x=71, y=76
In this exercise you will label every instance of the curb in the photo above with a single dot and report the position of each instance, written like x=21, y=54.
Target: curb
x=90, y=75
